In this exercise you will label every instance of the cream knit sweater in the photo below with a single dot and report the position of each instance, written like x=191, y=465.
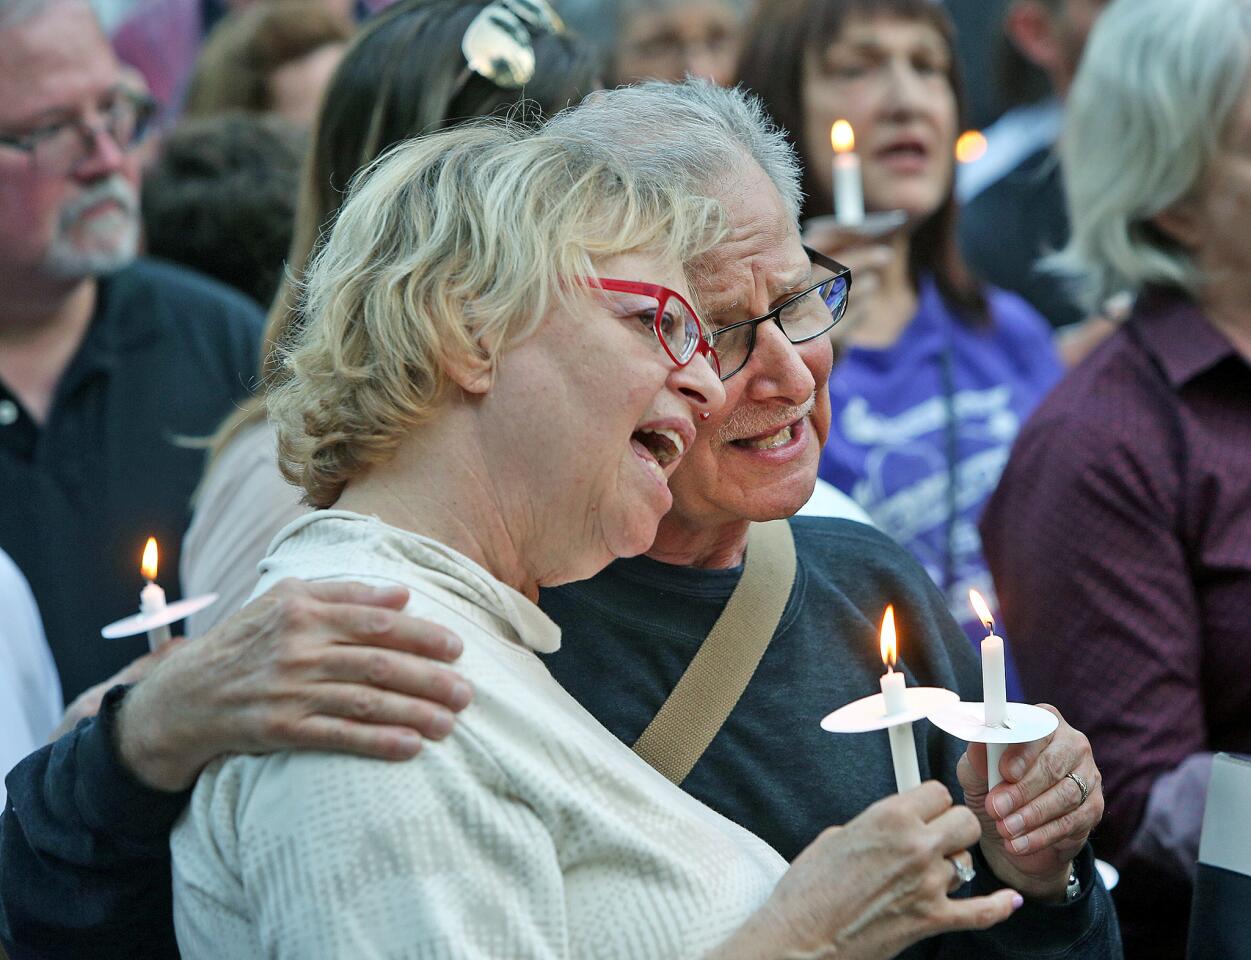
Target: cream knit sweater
x=530, y=832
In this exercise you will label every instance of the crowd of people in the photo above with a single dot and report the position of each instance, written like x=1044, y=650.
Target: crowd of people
x=553, y=439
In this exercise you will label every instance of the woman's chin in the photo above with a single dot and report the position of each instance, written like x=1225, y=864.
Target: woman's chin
x=918, y=202
x=636, y=531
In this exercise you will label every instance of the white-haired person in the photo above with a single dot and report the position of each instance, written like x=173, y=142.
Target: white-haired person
x=497, y=374
x=1120, y=536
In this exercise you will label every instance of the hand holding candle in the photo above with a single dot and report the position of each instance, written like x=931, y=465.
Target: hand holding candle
x=994, y=721
x=895, y=709
x=155, y=615
x=903, y=749
x=848, y=188
x=994, y=686
x=152, y=597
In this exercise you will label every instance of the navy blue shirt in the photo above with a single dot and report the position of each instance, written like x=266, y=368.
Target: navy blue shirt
x=1011, y=225
x=167, y=354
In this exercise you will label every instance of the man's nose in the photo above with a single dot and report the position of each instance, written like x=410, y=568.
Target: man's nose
x=777, y=368
x=104, y=154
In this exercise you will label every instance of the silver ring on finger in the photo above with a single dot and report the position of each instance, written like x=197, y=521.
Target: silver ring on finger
x=964, y=871
x=1082, y=785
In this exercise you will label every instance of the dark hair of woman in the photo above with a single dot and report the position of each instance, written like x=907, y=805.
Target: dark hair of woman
x=779, y=38
x=403, y=75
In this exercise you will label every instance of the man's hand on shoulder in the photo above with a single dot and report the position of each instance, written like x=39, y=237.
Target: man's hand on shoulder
x=307, y=666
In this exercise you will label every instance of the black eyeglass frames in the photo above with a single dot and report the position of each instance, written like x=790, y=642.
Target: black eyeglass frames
x=802, y=317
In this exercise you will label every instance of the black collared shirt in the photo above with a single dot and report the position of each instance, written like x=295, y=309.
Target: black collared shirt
x=166, y=355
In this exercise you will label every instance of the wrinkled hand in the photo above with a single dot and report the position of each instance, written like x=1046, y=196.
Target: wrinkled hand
x=1034, y=823
x=873, y=887
x=87, y=703
x=319, y=666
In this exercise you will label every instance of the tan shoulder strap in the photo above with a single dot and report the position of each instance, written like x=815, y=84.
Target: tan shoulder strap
x=722, y=667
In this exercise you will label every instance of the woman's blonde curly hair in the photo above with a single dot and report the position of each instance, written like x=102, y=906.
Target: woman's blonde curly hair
x=452, y=246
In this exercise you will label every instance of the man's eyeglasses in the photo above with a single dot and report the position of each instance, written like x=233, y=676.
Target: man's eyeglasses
x=497, y=44
x=60, y=147
x=673, y=320
x=802, y=317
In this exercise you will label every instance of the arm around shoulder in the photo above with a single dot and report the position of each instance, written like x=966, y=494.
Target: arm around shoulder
x=84, y=852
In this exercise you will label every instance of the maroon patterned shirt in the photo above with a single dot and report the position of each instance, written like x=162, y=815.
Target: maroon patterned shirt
x=1120, y=544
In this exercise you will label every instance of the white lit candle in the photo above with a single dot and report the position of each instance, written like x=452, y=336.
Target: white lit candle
x=848, y=188
x=994, y=686
x=152, y=597
x=903, y=749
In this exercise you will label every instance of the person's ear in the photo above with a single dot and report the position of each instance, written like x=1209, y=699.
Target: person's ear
x=1181, y=223
x=474, y=371
x=1031, y=28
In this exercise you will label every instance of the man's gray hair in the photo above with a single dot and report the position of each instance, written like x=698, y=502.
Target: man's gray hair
x=695, y=133
x=1158, y=84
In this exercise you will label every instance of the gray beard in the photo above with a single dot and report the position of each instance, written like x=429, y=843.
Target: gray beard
x=114, y=235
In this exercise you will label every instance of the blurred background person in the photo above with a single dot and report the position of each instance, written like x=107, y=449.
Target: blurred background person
x=1120, y=536
x=274, y=57
x=977, y=25
x=30, y=692
x=162, y=38
x=405, y=74
x=662, y=39
x=1013, y=196
x=104, y=357
x=221, y=199
x=939, y=370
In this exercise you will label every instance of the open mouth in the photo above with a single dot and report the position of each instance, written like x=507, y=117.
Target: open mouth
x=768, y=441
x=658, y=447
x=905, y=153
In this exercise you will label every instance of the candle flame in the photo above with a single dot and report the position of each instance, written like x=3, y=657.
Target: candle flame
x=982, y=611
x=149, y=559
x=888, y=637
x=971, y=146
x=842, y=137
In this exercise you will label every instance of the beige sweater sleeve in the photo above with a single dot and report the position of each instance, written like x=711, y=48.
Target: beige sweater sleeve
x=334, y=856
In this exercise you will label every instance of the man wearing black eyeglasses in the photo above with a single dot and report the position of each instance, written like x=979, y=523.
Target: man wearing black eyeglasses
x=632, y=633
x=105, y=359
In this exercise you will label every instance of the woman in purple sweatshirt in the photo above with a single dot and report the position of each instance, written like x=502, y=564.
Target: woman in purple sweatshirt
x=938, y=371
